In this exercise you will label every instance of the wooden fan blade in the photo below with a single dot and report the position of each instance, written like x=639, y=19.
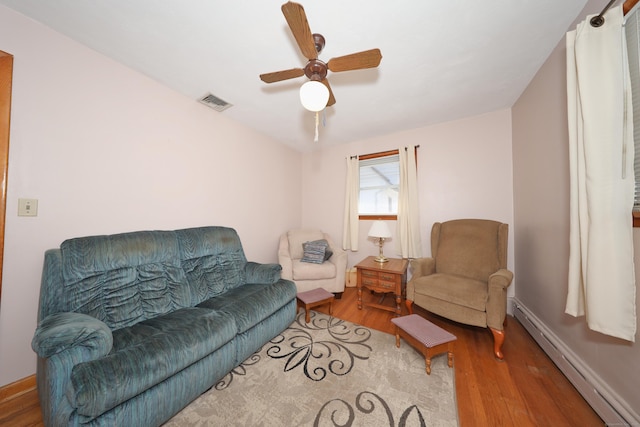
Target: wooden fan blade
x=332, y=99
x=282, y=75
x=297, y=20
x=356, y=61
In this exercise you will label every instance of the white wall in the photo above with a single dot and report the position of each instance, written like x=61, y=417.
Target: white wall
x=541, y=187
x=105, y=149
x=464, y=171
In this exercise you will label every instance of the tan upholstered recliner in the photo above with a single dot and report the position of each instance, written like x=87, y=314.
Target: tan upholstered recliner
x=329, y=275
x=466, y=278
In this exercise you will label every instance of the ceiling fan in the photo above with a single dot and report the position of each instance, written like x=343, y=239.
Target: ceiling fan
x=316, y=70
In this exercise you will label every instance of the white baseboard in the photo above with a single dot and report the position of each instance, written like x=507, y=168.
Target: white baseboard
x=608, y=405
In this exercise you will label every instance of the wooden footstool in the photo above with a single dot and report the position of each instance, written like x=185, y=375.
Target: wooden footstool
x=426, y=337
x=314, y=298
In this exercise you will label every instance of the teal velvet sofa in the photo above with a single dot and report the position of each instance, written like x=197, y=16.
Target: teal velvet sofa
x=134, y=326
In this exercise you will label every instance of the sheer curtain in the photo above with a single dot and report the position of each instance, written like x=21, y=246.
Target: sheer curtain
x=408, y=240
x=351, y=219
x=601, y=271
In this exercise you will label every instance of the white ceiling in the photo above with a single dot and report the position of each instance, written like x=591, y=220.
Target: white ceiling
x=442, y=60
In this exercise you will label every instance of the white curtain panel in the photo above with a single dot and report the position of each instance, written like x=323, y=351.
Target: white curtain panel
x=408, y=236
x=601, y=271
x=350, y=229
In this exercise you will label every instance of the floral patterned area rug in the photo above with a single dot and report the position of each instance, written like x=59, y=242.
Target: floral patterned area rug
x=329, y=372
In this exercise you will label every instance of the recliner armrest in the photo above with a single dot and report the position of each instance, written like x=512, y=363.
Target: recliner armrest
x=422, y=267
x=419, y=267
x=497, y=299
x=501, y=278
x=63, y=331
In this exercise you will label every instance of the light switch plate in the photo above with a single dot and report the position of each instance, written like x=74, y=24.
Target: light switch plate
x=27, y=207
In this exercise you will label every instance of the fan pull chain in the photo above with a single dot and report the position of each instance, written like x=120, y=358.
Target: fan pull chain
x=317, y=123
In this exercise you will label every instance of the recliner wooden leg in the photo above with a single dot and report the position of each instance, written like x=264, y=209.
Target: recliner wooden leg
x=409, y=305
x=498, y=339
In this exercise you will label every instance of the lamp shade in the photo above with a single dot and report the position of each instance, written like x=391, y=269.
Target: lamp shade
x=379, y=229
x=314, y=96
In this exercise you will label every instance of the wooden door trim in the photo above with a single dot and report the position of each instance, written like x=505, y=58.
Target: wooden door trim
x=6, y=76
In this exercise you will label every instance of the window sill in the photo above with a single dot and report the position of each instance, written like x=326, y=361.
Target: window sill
x=395, y=217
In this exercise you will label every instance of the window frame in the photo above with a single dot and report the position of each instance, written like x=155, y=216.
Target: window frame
x=375, y=156
x=395, y=152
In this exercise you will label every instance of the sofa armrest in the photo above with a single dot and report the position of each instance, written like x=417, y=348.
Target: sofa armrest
x=497, y=300
x=262, y=274
x=62, y=341
x=62, y=331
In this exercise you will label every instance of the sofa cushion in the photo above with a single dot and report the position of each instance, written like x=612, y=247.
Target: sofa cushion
x=454, y=289
x=298, y=237
x=123, y=279
x=308, y=271
x=250, y=304
x=145, y=354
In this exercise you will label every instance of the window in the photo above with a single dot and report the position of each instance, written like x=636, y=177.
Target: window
x=379, y=185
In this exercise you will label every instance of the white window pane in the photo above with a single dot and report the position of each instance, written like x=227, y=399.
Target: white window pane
x=379, y=184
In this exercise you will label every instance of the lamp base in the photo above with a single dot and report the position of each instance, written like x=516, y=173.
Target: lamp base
x=381, y=258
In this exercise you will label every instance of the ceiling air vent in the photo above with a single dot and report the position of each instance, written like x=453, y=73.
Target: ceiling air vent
x=214, y=102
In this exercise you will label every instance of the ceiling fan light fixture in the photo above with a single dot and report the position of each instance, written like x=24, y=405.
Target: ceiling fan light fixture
x=314, y=96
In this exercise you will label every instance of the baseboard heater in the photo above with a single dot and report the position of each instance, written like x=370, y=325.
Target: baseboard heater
x=613, y=410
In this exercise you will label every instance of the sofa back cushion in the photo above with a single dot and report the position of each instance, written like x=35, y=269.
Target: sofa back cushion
x=473, y=248
x=213, y=261
x=123, y=279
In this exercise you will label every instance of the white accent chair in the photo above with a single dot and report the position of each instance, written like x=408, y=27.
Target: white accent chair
x=329, y=275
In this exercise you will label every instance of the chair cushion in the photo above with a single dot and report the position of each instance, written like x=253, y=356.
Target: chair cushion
x=298, y=237
x=454, y=289
x=308, y=271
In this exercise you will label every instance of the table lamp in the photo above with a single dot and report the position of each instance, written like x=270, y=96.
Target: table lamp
x=380, y=230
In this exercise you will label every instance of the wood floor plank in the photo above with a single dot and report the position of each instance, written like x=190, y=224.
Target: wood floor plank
x=526, y=389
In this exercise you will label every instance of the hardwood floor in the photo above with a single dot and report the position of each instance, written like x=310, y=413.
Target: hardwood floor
x=526, y=389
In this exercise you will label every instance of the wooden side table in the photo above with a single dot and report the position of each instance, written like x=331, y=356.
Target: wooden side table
x=390, y=276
